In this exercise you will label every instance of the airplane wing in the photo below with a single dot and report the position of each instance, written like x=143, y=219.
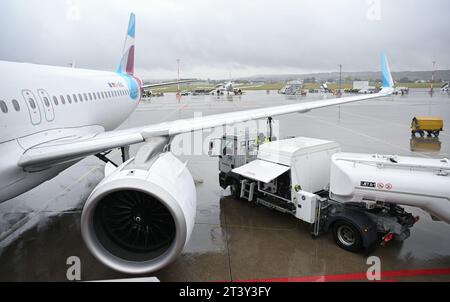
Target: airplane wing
x=52, y=153
x=57, y=152
x=156, y=85
x=246, y=87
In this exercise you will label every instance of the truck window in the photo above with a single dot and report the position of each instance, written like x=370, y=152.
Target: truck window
x=228, y=148
x=252, y=147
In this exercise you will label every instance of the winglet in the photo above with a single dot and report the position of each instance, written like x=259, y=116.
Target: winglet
x=126, y=64
x=388, y=82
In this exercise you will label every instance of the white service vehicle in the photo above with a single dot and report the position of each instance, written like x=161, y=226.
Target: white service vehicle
x=357, y=197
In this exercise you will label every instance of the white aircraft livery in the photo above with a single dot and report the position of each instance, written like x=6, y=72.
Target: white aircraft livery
x=141, y=215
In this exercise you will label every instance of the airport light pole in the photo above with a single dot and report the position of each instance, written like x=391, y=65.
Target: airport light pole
x=340, y=90
x=178, y=74
x=432, y=87
x=432, y=76
x=340, y=79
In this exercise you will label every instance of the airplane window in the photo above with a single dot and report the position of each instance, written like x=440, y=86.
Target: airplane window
x=69, y=99
x=3, y=107
x=110, y=94
x=63, y=101
x=46, y=102
x=90, y=96
x=16, y=105
x=85, y=96
x=32, y=103
x=94, y=95
x=103, y=95
x=98, y=95
x=75, y=98
x=80, y=97
x=55, y=100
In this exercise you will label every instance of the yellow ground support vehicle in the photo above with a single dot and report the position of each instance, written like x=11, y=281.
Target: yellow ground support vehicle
x=430, y=124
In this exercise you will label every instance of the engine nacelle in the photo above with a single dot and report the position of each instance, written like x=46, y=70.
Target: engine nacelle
x=140, y=217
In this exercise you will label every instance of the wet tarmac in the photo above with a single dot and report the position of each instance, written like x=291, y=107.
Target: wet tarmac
x=237, y=240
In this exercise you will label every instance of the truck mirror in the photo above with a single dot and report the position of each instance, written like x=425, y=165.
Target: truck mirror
x=212, y=152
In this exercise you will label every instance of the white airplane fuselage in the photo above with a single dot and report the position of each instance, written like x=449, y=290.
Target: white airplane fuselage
x=229, y=87
x=47, y=103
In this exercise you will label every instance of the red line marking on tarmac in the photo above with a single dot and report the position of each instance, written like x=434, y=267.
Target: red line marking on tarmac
x=386, y=276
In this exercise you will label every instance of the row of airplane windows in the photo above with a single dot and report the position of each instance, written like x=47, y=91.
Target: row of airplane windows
x=90, y=96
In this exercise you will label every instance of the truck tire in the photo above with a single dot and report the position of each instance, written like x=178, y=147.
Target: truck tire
x=347, y=236
x=235, y=190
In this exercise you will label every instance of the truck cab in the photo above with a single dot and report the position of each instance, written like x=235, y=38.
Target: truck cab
x=234, y=151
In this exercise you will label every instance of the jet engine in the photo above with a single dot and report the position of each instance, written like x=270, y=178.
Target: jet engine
x=140, y=217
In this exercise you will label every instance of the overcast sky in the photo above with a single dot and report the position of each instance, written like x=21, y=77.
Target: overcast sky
x=218, y=38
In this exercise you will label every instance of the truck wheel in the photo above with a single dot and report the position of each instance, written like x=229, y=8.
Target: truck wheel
x=235, y=190
x=347, y=236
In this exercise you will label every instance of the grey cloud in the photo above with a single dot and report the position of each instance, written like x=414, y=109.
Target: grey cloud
x=216, y=38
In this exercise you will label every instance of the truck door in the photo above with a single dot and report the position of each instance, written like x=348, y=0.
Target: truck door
x=214, y=147
x=33, y=107
x=47, y=105
x=227, y=160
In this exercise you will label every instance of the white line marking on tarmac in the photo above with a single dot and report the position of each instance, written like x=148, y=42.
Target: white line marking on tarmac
x=381, y=120
x=364, y=135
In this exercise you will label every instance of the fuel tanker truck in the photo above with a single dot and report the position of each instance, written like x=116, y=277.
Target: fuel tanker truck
x=359, y=198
